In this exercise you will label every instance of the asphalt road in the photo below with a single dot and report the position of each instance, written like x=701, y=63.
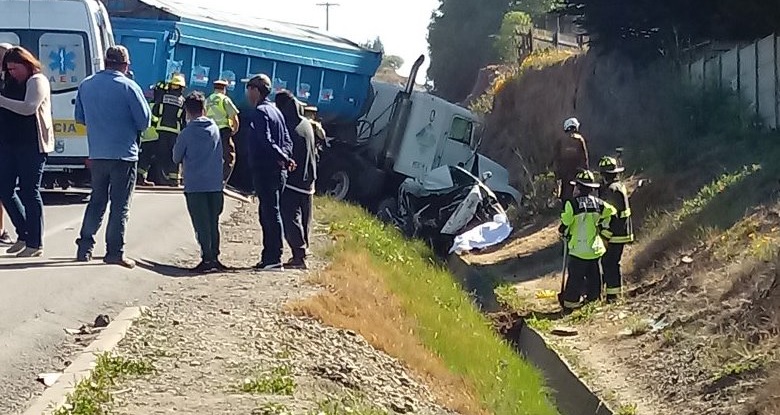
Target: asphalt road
x=42, y=296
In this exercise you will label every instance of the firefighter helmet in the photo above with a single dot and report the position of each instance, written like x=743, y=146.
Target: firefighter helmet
x=571, y=124
x=178, y=80
x=610, y=165
x=586, y=178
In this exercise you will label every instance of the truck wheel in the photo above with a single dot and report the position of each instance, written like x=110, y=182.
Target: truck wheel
x=339, y=185
x=387, y=209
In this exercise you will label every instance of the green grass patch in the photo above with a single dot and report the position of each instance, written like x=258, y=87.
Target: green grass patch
x=540, y=324
x=447, y=321
x=277, y=381
x=93, y=395
x=627, y=409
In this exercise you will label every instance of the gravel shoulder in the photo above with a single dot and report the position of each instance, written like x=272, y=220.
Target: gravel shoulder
x=225, y=344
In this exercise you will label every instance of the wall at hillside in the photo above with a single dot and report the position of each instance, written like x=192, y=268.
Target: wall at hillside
x=616, y=103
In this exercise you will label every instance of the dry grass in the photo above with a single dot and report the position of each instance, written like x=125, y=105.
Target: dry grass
x=768, y=402
x=358, y=299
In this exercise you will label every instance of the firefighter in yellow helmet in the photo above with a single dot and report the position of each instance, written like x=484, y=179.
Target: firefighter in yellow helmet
x=168, y=110
x=221, y=109
x=584, y=218
x=621, y=229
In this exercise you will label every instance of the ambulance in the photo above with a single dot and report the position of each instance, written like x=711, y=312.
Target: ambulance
x=69, y=37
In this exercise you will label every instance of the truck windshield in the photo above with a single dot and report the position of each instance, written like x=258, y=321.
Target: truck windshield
x=63, y=55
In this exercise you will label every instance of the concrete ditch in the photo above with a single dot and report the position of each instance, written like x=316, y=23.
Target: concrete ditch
x=572, y=396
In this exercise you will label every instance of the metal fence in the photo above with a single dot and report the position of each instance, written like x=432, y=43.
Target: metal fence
x=753, y=71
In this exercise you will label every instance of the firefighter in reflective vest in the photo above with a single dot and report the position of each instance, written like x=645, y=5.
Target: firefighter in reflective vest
x=620, y=231
x=169, y=110
x=220, y=108
x=582, y=221
x=147, y=158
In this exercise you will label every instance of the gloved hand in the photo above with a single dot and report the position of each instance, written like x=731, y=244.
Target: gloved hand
x=562, y=232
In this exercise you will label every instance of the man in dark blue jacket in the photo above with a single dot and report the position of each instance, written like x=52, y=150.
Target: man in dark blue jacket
x=270, y=158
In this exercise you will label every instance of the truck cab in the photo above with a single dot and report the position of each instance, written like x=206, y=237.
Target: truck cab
x=434, y=133
x=69, y=37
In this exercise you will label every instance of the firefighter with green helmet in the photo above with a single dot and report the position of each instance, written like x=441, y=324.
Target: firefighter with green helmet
x=620, y=231
x=584, y=218
x=168, y=119
x=221, y=109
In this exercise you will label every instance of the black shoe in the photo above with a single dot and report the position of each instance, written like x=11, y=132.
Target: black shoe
x=219, y=266
x=262, y=266
x=204, y=267
x=296, y=263
x=84, y=257
x=121, y=261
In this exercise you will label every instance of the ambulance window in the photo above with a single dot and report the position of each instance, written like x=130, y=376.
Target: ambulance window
x=64, y=59
x=461, y=130
x=9, y=37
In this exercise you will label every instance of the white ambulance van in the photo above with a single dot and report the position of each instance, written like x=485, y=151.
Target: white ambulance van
x=69, y=37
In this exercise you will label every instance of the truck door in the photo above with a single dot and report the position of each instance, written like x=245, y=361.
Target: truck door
x=457, y=144
x=146, y=51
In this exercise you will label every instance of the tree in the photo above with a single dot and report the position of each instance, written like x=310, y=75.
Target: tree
x=375, y=45
x=647, y=29
x=459, y=42
x=392, y=61
x=505, y=44
x=536, y=9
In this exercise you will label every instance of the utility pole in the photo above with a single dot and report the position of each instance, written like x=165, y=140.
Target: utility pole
x=327, y=6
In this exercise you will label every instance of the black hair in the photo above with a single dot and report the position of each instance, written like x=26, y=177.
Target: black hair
x=195, y=103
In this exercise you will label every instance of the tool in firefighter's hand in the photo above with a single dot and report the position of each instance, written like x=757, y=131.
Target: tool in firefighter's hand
x=564, y=267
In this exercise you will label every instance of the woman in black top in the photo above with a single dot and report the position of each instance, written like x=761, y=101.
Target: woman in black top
x=28, y=137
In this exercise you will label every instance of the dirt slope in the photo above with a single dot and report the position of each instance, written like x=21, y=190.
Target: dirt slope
x=699, y=330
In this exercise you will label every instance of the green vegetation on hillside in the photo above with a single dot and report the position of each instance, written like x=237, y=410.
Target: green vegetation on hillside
x=444, y=317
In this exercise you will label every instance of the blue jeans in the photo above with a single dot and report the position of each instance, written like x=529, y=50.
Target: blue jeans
x=23, y=165
x=112, y=181
x=269, y=186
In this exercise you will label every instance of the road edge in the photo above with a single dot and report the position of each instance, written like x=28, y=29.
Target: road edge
x=81, y=368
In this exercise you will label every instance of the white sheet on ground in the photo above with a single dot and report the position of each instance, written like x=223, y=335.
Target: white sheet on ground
x=483, y=236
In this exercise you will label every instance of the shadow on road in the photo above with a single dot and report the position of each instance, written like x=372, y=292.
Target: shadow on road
x=61, y=198
x=45, y=263
x=164, y=269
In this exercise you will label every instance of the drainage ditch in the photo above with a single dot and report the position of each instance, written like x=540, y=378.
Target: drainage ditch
x=572, y=396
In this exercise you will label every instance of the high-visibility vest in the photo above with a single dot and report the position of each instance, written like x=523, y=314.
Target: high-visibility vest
x=215, y=109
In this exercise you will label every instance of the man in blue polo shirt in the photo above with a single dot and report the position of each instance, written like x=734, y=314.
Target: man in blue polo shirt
x=114, y=110
x=270, y=157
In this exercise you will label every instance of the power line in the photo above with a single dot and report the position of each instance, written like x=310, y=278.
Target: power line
x=327, y=6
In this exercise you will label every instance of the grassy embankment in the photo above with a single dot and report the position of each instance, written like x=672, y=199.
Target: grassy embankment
x=393, y=292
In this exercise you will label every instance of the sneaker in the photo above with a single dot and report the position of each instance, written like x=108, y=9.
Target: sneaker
x=121, y=261
x=5, y=238
x=19, y=246
x=269, y=267
x=296, y=263
x=84, y=257
x=30, y=253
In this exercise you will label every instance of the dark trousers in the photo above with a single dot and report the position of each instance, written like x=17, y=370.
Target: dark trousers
x=296, y=216
x=269, y=186
x=584, y=278
x=149, y=160
x=228, y=153
x=112, y=181
x=610, y=262
x=23, y=165
x=567, y=190
x=204, y=209
x=170, y=169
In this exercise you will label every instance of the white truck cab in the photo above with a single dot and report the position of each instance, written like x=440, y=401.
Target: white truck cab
x=437, y=133
x=69, y=37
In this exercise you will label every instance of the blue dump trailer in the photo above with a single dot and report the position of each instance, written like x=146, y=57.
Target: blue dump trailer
x=166, y=36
